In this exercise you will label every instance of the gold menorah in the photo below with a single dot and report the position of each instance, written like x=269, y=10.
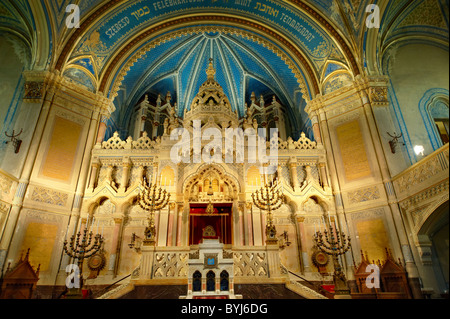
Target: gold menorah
x=336, y=243
x=269, y=199
x=81, y=247
x=151, y=199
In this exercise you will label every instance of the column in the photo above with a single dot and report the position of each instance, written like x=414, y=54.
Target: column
x=249, y=224
x=257, y=235
x=172, y=207
x=125, y=174
x=316, y=129
x=411, y=268
x=241, y=224
x=27, y=169
x=155, y=174
x=323, y=175
x=11, y=223
x=163, y=221
x=179, y=224
x=302, y=240
x=94, y=173
x=101, y=129
x=115, y=247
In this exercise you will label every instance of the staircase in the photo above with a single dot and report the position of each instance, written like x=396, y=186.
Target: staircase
x=303, y=287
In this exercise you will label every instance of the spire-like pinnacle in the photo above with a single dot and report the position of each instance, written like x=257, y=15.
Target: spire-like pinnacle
x=210, y=72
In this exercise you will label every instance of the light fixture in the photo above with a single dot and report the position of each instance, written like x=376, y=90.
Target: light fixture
x=418, y=149
x=394, y=141
x=15, y=141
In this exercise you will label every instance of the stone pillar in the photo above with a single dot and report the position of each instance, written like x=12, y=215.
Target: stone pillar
x=125, y=175
x=146, y=266
x=172, y=208
x=316, y=129
x=424, y=245
x=179, y=224
x=273, y=261
x=302, y=240
x=162, y=226
x=249, y=223
x=101, y=131
x=94, y=173
x=155, y=174
x=217, y=284
x=323, y=175
x=115, y=247
x=241, y=224
x=33, y=80
x=411, y=268
x=257, y=234
x=293, y=171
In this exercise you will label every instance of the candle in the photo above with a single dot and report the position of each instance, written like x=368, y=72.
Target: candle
x=98, y=221
x=315, y=228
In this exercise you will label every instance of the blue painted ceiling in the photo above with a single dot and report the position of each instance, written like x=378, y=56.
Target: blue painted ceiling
x=242, y=67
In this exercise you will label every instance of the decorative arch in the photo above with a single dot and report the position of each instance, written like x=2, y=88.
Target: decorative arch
x=299, y=9
x=430, y=99
x=322, y=202
x=214, y=169
x=119, y=66
x=92, y=204
x=435, y=214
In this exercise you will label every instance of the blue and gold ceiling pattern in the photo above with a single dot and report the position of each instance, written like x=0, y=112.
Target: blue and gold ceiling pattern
x=240, y=65
x=293, y=49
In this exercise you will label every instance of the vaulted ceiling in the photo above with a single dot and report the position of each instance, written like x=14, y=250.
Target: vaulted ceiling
x=292, y=49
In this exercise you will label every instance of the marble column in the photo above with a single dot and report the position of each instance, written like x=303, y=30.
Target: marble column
x=302, y=240
x=294, y=176
x=125, y=175
x=411, y=268
x=115, y=247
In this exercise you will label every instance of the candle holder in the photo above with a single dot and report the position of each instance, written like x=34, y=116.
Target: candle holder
x=269, y=199
x=335, y=244
x=151, y=199
x=82, y=247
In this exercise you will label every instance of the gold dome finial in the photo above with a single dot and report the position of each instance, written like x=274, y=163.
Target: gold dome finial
x=210, y=72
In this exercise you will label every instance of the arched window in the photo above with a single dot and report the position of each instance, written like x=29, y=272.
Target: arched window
x=197, y=281
x=435, y=113
x=211, y=281
x=224, y=281
x=439, y=113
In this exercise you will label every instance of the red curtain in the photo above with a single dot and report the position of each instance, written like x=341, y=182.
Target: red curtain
x=220, y=221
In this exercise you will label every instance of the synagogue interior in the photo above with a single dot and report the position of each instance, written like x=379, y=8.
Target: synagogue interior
x=224, y=149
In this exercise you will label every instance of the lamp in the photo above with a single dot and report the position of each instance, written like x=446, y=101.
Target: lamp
x=419, y=149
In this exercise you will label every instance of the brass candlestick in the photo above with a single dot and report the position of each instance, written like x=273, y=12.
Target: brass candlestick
x=151, y=199
x=268, y=198
x=335, y=244
x=81, y=247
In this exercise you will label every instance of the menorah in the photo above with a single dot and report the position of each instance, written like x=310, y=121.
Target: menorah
x=335, y=244
x=151, y=199
x=82, y=247
x=269, y=199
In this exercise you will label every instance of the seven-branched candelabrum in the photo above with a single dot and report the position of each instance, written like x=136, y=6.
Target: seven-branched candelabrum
x=269, y=198
x=335, y=244
x=151, y=199
x=82, y=247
